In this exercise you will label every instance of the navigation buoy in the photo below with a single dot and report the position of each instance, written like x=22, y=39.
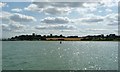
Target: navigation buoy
x=60, y=42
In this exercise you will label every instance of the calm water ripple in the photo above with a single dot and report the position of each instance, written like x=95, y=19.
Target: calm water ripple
x=50, y=55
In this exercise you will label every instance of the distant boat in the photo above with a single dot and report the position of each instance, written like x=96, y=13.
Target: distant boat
x=60, y=42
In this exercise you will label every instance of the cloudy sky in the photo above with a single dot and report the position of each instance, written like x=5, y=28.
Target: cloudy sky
x=67, y=18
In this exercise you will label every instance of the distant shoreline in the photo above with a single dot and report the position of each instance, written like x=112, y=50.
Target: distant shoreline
x=34, y=37
x=68, y=41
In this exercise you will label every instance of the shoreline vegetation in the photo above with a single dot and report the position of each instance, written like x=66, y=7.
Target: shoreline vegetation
x=35, y=37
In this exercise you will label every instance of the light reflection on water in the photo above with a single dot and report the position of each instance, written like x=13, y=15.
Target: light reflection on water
x=43, y=55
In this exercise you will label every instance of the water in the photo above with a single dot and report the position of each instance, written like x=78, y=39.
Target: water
x=51, y=55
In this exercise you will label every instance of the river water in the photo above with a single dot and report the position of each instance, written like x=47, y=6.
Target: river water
x=51, y=55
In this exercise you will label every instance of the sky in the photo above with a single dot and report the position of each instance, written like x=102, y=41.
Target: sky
x=66, y=18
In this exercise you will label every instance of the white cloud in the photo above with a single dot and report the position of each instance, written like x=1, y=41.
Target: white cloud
x=112, y=16
x=32, y=7
x=2, y=4
x=57, y=11
x=17, y=10
x=64, y=8
x=109, y=3
x=108, y=10
x=113, y=23
x=100, y=11
x=61, y=7
x=89, y=19
x=97, y=31
x=4, y=16
x=90, y=4
x=21, y=18
x=12, y=21
x=54, y=8
x=81, y=16
x=41, y=27
x=56, y=27
x=101, y=30
x=56, y=20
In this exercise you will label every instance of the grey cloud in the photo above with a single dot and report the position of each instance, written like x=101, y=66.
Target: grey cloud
x=16, y=26
x=68, y=4
x=58, y=4
x=64, y=27
x=12, y=27
x=92, y=20
x=42, y=4
x=57, y=20
x=5, y=20
x=22, y=18
x=7, y=17
x=112, y=19
x=5, y=27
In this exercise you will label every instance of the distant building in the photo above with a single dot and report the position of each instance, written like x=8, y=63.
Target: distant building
x=33, y=34
x=51, y=35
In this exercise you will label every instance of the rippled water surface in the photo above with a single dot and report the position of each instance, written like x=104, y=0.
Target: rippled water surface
x=51, y=55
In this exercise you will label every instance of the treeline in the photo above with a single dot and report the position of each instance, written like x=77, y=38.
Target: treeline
x=110, y=37
x=34, y=37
